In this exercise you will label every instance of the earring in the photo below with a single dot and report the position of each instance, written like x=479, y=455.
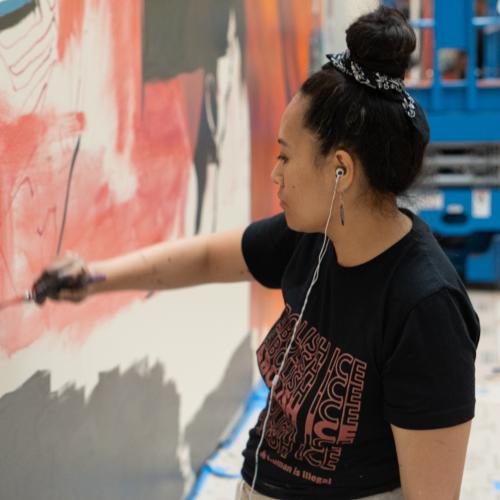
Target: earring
x=342, y=220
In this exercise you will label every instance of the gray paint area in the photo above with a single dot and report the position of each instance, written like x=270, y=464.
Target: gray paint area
x=214, y=416
x=119, y=444
x=181, y=36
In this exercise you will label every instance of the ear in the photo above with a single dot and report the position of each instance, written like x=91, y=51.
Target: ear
x=342, y=158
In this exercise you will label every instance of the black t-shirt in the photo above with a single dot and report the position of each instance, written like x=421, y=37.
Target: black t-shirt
x=390, y=341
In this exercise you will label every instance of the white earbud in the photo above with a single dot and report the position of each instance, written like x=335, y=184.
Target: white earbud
x=340, y=171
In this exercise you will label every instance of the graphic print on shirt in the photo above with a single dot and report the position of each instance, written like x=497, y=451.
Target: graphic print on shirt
x=315, y=433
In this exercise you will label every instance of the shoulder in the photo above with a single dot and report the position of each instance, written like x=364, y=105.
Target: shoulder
x=267, y=246
x=270, y=231
x=426, y=288
x=424, y=271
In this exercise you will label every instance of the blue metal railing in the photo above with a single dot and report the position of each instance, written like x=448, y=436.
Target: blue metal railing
x=459, y=109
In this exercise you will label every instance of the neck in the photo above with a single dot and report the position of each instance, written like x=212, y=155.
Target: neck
x=367, y=233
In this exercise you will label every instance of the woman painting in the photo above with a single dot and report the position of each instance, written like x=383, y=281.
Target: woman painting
x=371, y=364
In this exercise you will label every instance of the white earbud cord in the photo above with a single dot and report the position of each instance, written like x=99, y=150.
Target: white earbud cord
x=322, y=252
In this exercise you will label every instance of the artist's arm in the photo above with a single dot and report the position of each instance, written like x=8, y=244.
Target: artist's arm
x=212, y=258
x=431, y=462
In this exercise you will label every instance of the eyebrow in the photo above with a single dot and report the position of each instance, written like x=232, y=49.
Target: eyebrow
x=283, y=142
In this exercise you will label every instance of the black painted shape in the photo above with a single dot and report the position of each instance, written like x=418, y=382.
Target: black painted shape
x=180, y=36
x=205, y=430
x=15, y=17
x=120, y=445
x=205, y=152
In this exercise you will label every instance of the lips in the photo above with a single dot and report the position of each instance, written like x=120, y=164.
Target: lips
x=282, y=203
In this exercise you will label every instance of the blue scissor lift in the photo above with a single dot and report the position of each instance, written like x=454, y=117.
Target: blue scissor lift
x=459, y=194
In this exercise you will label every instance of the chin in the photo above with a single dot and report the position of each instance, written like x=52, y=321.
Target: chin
x=295, y=225
x=289, y=221
x=307, y=228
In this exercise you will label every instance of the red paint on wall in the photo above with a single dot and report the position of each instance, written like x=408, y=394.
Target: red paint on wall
x=71, y=13
x=157, y=128
x=21, y=137
x=126, y=26
x=97, y=226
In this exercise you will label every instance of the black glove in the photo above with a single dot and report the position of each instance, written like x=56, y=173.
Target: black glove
x=66, y=278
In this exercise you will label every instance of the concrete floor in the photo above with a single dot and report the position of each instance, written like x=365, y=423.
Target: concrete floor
x=481, y=479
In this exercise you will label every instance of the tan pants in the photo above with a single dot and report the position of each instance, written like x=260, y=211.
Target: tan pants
x=243, y=493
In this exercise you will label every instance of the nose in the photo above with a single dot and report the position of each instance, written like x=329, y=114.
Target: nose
x=276, y=176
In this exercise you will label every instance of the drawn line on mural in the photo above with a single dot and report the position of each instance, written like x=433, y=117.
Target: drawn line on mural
x=30, y=67
x=35, y=44
x=43, y=93
x=17, y=71
x=36, y=71
x=66, y=201
x=43, y=80
x=52, y=211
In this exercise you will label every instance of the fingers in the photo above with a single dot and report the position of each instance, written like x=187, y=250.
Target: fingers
x=64, y=279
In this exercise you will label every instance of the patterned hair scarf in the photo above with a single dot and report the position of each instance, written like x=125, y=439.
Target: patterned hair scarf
x=392, y=87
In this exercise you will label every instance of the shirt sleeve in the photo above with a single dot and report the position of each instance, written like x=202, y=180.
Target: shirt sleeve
x=429, y=379
x=267, y=246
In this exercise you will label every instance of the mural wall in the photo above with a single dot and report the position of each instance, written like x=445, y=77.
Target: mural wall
x=123, y=124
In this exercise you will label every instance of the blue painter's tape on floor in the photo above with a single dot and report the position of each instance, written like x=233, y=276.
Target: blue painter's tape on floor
x=256, y=399
x=221, y=471
x=9, y=6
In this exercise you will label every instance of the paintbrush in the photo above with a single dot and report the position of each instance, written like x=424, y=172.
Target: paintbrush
x=49, y=285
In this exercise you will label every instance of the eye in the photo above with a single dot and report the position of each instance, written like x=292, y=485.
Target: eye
x=282, y=158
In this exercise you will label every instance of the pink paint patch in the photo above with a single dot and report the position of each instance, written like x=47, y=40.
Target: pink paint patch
x=96, y=227
x=164, y=142
x=35, y=157
x=126, y=26
x=20, y=139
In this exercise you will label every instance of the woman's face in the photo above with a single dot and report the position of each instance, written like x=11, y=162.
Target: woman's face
x=305, y=187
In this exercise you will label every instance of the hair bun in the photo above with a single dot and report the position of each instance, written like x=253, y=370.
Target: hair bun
x=382, y=41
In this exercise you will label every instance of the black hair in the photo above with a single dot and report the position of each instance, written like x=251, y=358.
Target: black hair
x=343, y=113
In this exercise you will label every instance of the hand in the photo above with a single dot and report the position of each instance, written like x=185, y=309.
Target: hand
x=66, y=278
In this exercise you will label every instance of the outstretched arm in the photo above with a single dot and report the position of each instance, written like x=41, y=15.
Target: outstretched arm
x=187, y=262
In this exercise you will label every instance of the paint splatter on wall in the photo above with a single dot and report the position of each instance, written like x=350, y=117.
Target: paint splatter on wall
x=151, y=118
